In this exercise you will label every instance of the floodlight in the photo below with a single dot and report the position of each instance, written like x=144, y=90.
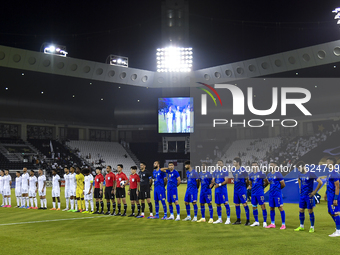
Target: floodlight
x=53, y=49
x=118, y=60
x=337, y=16
x=174, y=59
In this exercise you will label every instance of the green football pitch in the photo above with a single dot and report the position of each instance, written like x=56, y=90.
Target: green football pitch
x=55, y=232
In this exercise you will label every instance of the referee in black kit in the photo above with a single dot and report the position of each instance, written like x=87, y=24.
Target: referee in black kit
x=145, y=188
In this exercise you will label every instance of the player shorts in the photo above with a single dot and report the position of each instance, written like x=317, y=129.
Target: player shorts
x=120, y=193
x=159, y=193
x=79, y=193
x=88, y=197
x=307, y=202
x=240, y=198
x=275, y=201
x=221, y=197
x=133, y=195
x=43, y=193
x=18, y=192
x=331, y=208
x=67, y=193
x=190, y=197
x=108, y=193
x=6, y=192
x=24, y=190
x=257, y=200
x=144, y=193
x=205, y=198
x=32, y=193
x=55, y=192
x=97, y=193
x=172, y=195
x=72, y=192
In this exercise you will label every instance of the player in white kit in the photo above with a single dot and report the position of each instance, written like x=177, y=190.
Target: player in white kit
x=42, y=190
x=7, y=188
x=184, y=121
x=18, y=188
x=67, y=187
x=73, y=187
x=24, y=189
x=88, y=190
x=32, y=190
x=55, y=189
x=2, y=187
x=178, y=120
x=169, y=120
x=188, y=118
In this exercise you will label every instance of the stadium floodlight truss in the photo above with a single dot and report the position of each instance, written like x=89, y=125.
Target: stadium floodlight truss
x=53, y=49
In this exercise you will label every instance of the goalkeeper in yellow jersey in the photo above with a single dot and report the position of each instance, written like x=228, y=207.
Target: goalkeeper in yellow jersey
x=80, y=190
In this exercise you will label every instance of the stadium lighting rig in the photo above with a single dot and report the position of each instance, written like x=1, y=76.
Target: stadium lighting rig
x=118, y=60
x=337, y=16
x=54, y=49
x=174, y=59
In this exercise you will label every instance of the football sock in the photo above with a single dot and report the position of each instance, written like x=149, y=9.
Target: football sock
x=18, y=201
x=9, y=201
x=102, y=205
x=86, y=205
x=67, y=202
x=302, y=218
x=133, y=209
x=75, y=204
x=264, y=214
x=138, y=208
x=22, y=201
x=125, y=207
x=58, y=205
x=157, y=207
x=312, y=219
x=118, y=207
x=238, y=212
x=35, y=202
x=108, y=205
x=246, y=208
x=45, y=202
x=165, y=209
x=272, y=216
x=283, y=217
x=337, y=222
x=256, y=215
x=219, y=212
x=171, y=208
x=143, y=208
x=53, y=204
x=211, y=211
x=79, y=204
x=114, y=207
x=187, y=207
x=203, y=211
x=32, y=205
x=97, y=206
x=72, y=204
x=227, y=207
x=195, y=209
x=5, y=200
x=82, y=203
x=178, y=210
x=28, y=201
x=92, y=205
x=150, y=207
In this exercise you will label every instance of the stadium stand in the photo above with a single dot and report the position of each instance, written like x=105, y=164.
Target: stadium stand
x=101, y=154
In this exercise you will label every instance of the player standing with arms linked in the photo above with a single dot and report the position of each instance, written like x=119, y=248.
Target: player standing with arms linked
x=18, y=188
x=145, y=188
x=275, y=179
x=73, y=187
x=160, y=182
x=80, y=190
x=332, y=193
x=240, y=190
x=33, y=188
x=110, y=187
x=67, y=189
x=88, y=190
x=7, y=188
x=256, y=182
x=55, y=190
x=42, y=190
x=205, y=194
x=24, y=188
x=192, y=190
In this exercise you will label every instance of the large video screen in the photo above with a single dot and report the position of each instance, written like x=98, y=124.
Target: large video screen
x=175, y=115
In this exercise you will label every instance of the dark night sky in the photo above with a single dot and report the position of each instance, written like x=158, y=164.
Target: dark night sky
x=221, y=32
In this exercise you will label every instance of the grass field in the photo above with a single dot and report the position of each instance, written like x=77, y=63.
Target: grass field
x=51, y=232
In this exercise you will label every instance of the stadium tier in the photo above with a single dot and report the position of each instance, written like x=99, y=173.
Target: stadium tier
x=103, y=154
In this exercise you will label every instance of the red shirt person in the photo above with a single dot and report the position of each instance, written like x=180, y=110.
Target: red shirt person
x=120, y=189
x=110, y=186
x=134, y=181
x=98, y=190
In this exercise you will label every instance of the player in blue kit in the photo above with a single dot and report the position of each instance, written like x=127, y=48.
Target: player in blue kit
x=332, y=193
x=275, y=179
x=174, y=180
x=240, y=190
x=193, y=183
x=160, y=182
x=205, y=194
x=220, y=180
x=306, y=183
x=256, y=181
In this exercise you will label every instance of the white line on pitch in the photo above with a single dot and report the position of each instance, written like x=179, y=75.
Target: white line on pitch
x=41, y=221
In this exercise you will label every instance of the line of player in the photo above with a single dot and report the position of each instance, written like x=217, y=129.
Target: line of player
x=79, y=192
